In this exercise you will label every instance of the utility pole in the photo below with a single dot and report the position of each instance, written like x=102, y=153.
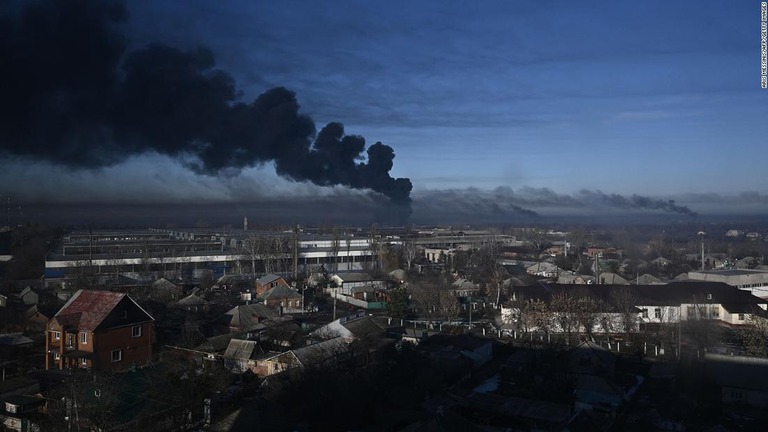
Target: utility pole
x=296, y=252
x=597, y=268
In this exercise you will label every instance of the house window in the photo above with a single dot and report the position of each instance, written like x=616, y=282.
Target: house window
x=136, y=330
x=10, y=408
x=117, y=355
x=645, y=313
x=56, y=355
x=70, y=339
x=124, y=314
x=691, y=312
x=84, y=362
x=657, y=313
x=715, y=312
x=84, y=338
x=56, y=335
x=741, y=317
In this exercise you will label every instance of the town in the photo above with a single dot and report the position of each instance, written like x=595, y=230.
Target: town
x=383, y=328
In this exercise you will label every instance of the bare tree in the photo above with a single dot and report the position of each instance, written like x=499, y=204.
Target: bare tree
x=335, y=247
x=252, y=248
x=624, y=300
x=563, y=305
x=410, y=253
x=539, y=241
x=587, y=312
x=755, y=336
x=537, y=315
x=348, y=243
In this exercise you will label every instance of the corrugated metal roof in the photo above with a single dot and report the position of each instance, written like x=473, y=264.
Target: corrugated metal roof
x=246, y=317
x=88, y=308
x=320, y=352
x=280, y=292
x=242, y=349
x=267, y=279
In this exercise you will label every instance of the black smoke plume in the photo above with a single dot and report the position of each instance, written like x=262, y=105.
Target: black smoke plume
x=74, y=96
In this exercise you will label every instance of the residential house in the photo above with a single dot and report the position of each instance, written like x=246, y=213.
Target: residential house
x=647, y=279
x=245, y=318
x=653, y=304
x=604, y=252
x=284, y=298
x=464, y=288
x=38, y=316
x=357, y=326
x=477, y=350
x=344, y=282
x=101, y=330
x=192, y=304
x=28, y=296
x=328, y=353
x=697, y=300
x=241, y=356
x=267, y=282
x=544, y=269
x=164, y=291
x=608, y=278
x=574, y=279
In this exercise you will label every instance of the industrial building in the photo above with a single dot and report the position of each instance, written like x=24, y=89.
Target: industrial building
x=145, y=255
x=754, y=281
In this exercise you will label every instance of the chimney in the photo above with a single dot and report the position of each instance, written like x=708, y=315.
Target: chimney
x=245, y=223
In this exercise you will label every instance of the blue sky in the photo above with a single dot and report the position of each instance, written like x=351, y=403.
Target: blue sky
x=654, y=98
x=630, y=97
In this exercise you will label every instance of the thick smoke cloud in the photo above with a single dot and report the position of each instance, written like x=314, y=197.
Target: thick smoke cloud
x=74, y=96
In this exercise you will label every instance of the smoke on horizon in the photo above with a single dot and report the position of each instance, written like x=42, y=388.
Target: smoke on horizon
x=527, y=202
x=79, y=99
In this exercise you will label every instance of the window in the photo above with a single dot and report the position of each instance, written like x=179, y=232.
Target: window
x=83, y=338
x=136, y=330
x=11, y=408
x=84, y=362
x=124, y=314
x=691, y=312
x=117, y=355
x=645, y=313
x=70, y=339
x=657, y=313
x=741, y=317
x=56, y=355
x=56, y=335
x=715, y=311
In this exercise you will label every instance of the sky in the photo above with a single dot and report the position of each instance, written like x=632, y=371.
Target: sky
x=500, y=101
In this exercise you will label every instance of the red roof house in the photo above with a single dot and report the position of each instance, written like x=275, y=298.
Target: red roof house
x=102, y=330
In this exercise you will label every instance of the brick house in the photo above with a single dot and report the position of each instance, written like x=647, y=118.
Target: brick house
x=266, y=283
x=100, y=330
x=283, y=296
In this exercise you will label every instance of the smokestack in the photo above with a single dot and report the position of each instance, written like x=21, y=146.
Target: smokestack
x=245, y=223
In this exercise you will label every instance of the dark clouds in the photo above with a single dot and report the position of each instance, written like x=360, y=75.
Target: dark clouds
x=78, y=98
